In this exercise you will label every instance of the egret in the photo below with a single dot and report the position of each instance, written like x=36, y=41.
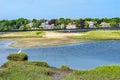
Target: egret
x=20, y=50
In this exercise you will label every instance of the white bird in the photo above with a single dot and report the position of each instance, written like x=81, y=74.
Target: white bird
x=20, y=50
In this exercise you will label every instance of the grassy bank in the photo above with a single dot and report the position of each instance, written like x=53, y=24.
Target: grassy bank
x=101, y=35
x=24, y=70
x=27, y=34
x=99, y=73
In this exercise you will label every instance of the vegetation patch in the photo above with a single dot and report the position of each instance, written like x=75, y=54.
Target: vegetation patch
x=101, y=35
x=24, y=34
x=23, y=70
x=17, y=57
x=99, y=73
x=65, y=68
x=39, y=63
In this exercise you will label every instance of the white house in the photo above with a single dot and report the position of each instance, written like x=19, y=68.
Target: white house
x=30, y=24
x=62, y=26
x=45, y=25
x=91, y=24
x=105, y=25
x=71, y=26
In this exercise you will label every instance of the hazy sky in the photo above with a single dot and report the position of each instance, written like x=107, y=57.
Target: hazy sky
x=48, y=9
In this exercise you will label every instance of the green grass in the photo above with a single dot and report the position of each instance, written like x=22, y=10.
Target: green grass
x=26, y=34
x=65, y=68
x=17, y=57
x=23, y=70
x=99, y=73
x=101, y=35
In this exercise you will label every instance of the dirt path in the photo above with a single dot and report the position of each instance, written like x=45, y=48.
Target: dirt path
x=59, y=75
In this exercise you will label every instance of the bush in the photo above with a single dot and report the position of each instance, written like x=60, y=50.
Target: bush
x=65, y=68
x=38, y=33
x=23, y=70
x=38, y=63
x=17, y=57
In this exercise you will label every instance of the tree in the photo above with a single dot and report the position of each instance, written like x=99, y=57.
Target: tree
x=106, y=20
x=52, y=21
x=60, y=21
x=114, y=24
x=98, y=20
x=86, y=25
x=68, y=20
x=77, y=22
x=36, y=24
x=88, y=19
x=20, y=22
x=25, y=27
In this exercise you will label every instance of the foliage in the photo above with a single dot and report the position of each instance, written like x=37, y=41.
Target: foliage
x=39, y=33
x=25, y=27
x=99, y=73
x=23, y=70
x=65, y=68
x=24, y=34
x=86, y=25
x=114, y=24
x=39, y=63
x=101, y=35
x=23, y=24
x=17, y=57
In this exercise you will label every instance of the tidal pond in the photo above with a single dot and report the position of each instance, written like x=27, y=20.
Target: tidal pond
x=85, y=55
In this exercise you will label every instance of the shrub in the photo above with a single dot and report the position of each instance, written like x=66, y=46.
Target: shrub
x=38, y=63
x=38, y=33
x=17, y=57
x=22, y=70
x=65, y=68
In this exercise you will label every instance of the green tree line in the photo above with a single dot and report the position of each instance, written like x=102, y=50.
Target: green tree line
x=24, y=24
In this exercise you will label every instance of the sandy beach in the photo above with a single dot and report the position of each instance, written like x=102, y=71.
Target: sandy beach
x=49, y=38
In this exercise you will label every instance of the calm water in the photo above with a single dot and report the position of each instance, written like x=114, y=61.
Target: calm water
x=78, y=56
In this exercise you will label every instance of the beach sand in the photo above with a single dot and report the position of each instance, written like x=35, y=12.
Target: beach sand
x=50, y=38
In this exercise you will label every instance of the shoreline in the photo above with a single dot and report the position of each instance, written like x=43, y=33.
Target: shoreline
x=45, y=42
x=49, y=38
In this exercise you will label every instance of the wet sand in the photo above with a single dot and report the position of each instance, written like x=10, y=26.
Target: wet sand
x=50, y=38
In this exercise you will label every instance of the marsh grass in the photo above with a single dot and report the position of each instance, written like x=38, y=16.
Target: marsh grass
x=65, y=68
x=101, y=35
x=17, y=57
x=23, y=70
x=26, y=34
x=99, y=73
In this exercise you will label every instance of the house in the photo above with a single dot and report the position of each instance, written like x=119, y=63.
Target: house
x=62, y=26
x=45, y=25
x=119, y=24
x=71, y=26
x=91, y=24
x=30, y=24
x=105, y=25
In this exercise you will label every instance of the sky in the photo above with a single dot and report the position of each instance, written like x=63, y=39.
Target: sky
x=54, y=9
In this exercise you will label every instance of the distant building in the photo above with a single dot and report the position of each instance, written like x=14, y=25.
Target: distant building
x=105, y=25
x=45, y=25
x=62, y=26
x=30, y=24
x=71, y=26
x=91, y=24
